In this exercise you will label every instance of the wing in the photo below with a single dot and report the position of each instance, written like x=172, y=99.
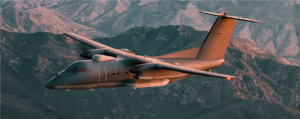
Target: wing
x=168, y=66
x=86, y=41
x=143, y=59
x=192, y=71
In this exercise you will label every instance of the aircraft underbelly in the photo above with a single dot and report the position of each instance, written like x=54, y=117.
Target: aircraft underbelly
x=146, y=83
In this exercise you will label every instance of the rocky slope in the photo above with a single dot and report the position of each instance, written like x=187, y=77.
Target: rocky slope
x=30, y=18
x=269, y=87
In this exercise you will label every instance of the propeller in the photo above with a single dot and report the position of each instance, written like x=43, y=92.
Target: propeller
x=86, y=52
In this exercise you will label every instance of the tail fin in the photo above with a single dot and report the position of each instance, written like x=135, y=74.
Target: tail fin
x=217, y=40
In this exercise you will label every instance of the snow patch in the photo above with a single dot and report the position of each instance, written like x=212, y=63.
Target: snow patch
x=100, y=7
x=292, y=49
x=191, y=17
x=269, y=47
x=102, y=1
x=234, y=1
x=122, y=6
x=93, y=15
x=144, y=2
x=288, y=37
x=265, y=36
x=245, y=33
x=293, y=2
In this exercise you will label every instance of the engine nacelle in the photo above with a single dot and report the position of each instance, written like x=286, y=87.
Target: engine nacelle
x=150, y=72
x=102, y=58
x=89, y=54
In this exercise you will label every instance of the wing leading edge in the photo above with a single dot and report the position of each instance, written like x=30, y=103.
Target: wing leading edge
x=86, y=41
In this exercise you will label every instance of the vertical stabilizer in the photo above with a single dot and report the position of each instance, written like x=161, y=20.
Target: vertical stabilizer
x=217, y=40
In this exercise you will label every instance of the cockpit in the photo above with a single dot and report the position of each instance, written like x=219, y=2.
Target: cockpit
x=76, y=74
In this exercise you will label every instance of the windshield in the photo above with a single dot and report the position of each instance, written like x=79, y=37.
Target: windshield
x=76, y=70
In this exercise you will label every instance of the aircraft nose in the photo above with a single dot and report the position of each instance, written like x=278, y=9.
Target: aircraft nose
x=49, y=86
x=51, y=83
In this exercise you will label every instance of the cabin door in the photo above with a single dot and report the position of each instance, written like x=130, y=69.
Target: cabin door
x=102, y=75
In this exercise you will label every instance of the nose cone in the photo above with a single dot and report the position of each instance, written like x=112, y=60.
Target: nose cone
x=49, y=86
x=51, y=83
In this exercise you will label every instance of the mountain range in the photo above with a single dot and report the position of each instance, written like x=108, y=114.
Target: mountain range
x=268, y=87
x=278, y=33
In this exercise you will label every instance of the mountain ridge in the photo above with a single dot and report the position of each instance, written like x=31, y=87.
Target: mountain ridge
x=278, y=33
x=268, y=88
x=42, y=19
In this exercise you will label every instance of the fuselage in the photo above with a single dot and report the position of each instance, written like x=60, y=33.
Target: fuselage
x=112, y=67
x=88, y=74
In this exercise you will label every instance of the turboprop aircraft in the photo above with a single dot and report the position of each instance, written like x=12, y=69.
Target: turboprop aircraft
x=110, y=67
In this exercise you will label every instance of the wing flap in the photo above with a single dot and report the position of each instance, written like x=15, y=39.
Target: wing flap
x=193, y=71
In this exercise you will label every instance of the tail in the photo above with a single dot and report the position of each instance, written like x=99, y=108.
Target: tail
x=217, y=40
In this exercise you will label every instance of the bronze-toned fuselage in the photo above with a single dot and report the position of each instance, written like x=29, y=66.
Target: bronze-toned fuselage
x=112, y=67
x=114, y=73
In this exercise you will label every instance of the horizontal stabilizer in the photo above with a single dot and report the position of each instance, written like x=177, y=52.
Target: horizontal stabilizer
x=228, y=16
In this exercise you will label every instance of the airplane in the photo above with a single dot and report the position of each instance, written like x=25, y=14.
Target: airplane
x=107, y=67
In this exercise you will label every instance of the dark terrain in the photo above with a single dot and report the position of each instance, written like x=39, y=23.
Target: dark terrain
x=269, y=87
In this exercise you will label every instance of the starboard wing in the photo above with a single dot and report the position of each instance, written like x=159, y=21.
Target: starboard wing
x=168, y=66
x=193, y=71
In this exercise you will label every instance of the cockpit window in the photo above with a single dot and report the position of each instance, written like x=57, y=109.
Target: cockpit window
x=76, y=70
x=81, y=70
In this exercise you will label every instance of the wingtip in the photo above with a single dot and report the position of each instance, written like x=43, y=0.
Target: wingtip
x=257, y=21
x=66, y=33
x=233, y=77
x=69, y=34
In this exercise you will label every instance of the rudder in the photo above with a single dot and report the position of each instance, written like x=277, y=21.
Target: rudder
x=217, y=40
